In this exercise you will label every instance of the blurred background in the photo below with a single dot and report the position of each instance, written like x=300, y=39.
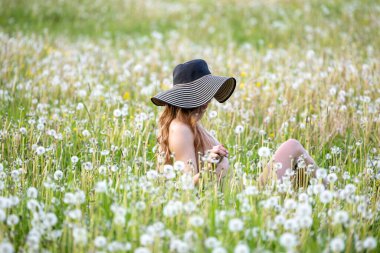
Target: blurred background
x=263, y=24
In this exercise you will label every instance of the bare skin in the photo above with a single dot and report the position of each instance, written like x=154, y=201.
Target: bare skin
x=181, y=142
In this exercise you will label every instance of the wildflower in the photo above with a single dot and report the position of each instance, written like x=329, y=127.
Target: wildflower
x=12, y=220
x=117, y=246
x=212, y=114
x=3, y=215
x=290, y=204
x=321, y=173
x=142, y=250
x=337, y=245
x=58, y=175
x=86, y=133
x=288, y=241
x=239, y=129
x=102, y=170
x=172, y=208
x=326, y=196
x=50, y=219
x=40, y=150
x=101, y=186
x=104, y=152
x=196, y=221
x=40, y=126
x=277, y=166
x=264, y=152
x=80, y=106
x=187, y=182
x=370, y=243
x=169, y=171
x=178, y=246
x=23, y=130
x=189, y=207
x=152, y=174
x=241, y=248
x=32, y=193
x=303, y=209
x=305, y=221
x=80, y=235
x=212, y=242
x=332, y=177
x=235, y=225
x=87, y=166
x=140, y=205
x=251, y=190
x=74, y=159
x=6, y=247
x=114, y=168
x=117, y=113
x=340, y=217
x=146, y=239
x=179, y=165
x=100, y=241
x=219, y=249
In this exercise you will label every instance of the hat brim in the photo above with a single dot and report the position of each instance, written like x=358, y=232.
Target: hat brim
x=197, y=93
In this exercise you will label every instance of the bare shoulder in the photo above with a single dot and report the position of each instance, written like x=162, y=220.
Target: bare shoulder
x=180, y=135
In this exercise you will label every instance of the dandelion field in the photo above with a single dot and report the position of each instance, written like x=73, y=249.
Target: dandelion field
x=78, y=131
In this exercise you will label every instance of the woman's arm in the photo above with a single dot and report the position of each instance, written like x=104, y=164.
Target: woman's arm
x=181, y=143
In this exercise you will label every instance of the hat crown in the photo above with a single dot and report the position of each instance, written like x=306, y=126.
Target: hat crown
x=190, y=71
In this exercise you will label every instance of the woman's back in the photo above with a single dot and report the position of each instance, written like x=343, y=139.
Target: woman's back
x=181, y=143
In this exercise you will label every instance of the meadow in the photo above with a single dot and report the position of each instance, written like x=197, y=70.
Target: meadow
x=78, y=160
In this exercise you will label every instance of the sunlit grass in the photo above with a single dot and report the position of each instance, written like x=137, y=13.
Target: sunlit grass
x=78, y=130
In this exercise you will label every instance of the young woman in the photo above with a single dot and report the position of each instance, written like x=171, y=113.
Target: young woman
x=181, y=134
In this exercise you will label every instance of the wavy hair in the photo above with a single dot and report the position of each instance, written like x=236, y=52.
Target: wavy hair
x=187, y=116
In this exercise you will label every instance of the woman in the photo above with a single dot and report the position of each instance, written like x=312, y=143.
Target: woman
x=181, y=134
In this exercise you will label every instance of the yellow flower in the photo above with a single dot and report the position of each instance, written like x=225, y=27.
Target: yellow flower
x=243, y=74
x=258, y=84
x=241, y=86
x=101, y=98
x=271, y=135
x=126, y=95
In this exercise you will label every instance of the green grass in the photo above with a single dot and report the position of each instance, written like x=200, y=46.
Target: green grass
x=59, y=90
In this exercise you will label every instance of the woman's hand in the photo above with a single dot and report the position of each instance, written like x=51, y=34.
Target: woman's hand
x=217, y=153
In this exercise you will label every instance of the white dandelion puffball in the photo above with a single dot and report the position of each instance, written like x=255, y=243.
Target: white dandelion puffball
x=340, y=217
x=32, y=193
x=212, y=242
x=219, y=249
x=325, y=196
x=6, y=247
x=337, y=245
x=74, y=159
x=100, y=241
x=212, y=114
x=235, y=225
x=179, y=165
x=288, y=240
x=196, y=221
x=58, y=175
x=87, y=165
x=40, y=150
x=117, y=113
x=321, y=173
x=370, y=243
x=239, y=129
x=241, y=248
x=264, y=152
x=187, y=182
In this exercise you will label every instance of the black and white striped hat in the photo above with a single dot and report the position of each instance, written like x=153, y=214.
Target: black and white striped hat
x=194, y=85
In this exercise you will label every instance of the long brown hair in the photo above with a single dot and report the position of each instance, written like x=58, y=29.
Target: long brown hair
x=187, y=116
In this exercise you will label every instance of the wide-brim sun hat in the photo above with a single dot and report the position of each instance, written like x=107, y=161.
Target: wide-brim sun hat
x=194, y=85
